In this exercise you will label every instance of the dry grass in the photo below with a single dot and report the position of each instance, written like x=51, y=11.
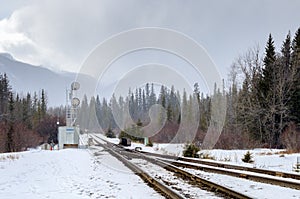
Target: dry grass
x=225, y=159
x=284, y=152
x=10, y=157
x=206, y=156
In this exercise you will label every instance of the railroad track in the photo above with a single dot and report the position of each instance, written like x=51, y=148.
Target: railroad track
x=228, y=166
x=276, y=178
x=123, y=155
x=161, y=188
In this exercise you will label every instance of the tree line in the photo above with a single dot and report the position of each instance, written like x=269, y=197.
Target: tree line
x=262, y=107
x=25, y=120
x=265, y=106
x=115, y=113
x=262, y=98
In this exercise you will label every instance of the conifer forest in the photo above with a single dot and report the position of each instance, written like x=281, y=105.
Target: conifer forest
x=262, y=94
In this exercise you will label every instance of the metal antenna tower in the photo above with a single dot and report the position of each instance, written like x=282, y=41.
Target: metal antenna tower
x=72, y=103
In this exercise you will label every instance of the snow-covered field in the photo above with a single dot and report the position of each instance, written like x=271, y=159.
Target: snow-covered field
x=68, y=173
x=93, y=173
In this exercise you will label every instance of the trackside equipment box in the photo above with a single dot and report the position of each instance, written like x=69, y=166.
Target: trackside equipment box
x=68, y=137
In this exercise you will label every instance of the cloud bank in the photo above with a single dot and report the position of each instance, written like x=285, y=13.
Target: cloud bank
x=60, y=34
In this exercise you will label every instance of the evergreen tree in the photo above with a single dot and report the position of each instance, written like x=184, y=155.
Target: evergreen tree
x=163, y=97
x=284, y=85
x=286, y=52
x=27, y=111
x=268, y=70
x=93, y=124
x=147, y=92
x=98, y=108
x=162, y=100
x=43, y=104
x=10, y=132
x=18, y=110
x=197, y=92
x=295, y=93
x=268, y=88
x=4, y=93
x=83, y=113
x=152, y=99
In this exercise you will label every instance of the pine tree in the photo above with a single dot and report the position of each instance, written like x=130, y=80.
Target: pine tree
x=147, y=92
x=268, y=70
x=27, y=111
x=163, y=97
x=284, y=85
x=43, y=105
x=10, y=132
x=174, y=105
x=152, y=99
x=286, y=51
x=162, y=100
x=5, y=90
x=144, y=108
x=98, y=108
x=197, y=92
x=268, y=91
x=295, y=93
x=83, y=113
x=93, y=124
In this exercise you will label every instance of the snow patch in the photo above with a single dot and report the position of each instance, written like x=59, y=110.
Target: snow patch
x=68, y=173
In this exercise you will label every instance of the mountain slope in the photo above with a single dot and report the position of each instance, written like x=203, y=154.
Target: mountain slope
x=25, y=78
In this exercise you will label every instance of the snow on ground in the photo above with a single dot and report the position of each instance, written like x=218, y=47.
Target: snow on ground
x=93, y=173
x=68, y=173
x=167, y=149
x=248, y=187
x=272, y=159
x=263, y=158
x=176, y=183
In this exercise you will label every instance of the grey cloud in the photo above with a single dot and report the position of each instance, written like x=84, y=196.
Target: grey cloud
x=64, y=32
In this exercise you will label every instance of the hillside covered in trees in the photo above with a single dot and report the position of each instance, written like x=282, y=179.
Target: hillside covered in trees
x=262, y=96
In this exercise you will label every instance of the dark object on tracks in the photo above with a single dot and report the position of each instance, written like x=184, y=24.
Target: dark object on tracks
x=125, y=141
x=138, y=148
x=66, y=146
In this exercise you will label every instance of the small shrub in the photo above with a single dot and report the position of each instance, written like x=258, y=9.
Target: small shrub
x=248, y=157
x=190, y=150
x=110, y=134
x=123, y=134
x=290, y=138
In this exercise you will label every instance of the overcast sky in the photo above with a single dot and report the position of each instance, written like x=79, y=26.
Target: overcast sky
x=60, y=34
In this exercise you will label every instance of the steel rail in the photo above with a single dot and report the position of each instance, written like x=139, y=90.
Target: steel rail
x=152, y=182
x=233, y=170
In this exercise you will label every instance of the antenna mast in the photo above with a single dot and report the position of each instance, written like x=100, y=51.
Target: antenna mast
x=72, y=104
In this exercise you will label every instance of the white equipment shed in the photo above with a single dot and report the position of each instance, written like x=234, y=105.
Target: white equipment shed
x=68, y=137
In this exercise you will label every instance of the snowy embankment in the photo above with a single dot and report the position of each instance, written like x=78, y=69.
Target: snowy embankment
x=267, y=158
x=68, y=173
x=272, y=159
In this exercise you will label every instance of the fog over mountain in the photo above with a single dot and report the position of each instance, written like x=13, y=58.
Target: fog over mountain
x=25, y=78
